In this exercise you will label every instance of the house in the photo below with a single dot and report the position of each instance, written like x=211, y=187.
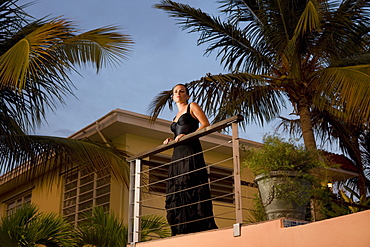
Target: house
x=78, y=190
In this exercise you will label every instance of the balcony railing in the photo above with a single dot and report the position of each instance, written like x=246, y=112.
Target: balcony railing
x=148, y=178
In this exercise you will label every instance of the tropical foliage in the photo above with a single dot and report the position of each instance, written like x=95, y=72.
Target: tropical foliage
x=347, y=201
x=106, y=230
x=278, y=154
x=312, y=55
x=36, y=59
x=286, y=167
x=354, y=198
x=27, y=227
x=313, y=52
x=102, y=229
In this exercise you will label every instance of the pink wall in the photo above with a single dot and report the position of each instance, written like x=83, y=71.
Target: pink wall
x=349, y=230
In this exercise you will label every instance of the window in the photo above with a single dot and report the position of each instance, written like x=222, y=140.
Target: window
x=222, y=184
x=84, y=190
x=158, y=174
x=16, y=202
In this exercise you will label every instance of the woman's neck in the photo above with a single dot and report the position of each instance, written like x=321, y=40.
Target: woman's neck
x=181, y=106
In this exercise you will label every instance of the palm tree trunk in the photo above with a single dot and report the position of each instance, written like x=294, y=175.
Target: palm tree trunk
x=359, y=167
x=361, y=181
x=306, y=125
x=309, y=142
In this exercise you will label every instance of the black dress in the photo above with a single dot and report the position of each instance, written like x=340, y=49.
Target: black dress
x=188, y=204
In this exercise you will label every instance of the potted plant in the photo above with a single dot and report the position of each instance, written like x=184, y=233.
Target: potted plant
x=282, y=171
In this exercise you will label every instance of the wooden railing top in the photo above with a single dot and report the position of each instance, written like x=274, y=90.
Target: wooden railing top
x=197, y=134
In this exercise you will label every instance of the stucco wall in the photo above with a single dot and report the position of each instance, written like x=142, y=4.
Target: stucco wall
x=349, y=230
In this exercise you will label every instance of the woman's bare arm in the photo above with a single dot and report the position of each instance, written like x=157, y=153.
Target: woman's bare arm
x=199, y=114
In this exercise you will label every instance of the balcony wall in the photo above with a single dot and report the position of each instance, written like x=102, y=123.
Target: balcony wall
x=349, y=230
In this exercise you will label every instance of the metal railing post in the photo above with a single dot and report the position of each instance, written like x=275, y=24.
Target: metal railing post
x=134, y=201
x=137, y=208
x=131, y=202
x=237, y=183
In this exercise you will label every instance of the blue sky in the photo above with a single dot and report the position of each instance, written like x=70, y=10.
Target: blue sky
x=162, y=56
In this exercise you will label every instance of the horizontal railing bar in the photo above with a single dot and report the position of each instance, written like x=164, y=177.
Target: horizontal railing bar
x=197, y=134
x=223, y=218
x=223, y=205
x=192, y=221
x=151, y=207
x=169, y=163
x=185, y=173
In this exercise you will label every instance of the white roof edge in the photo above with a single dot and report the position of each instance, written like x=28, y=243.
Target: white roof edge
x=130, y=117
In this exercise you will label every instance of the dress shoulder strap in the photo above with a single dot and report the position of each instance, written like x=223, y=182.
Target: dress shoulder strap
x=188, y=109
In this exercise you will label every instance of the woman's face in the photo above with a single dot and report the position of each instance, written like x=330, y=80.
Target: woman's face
x=179, y=94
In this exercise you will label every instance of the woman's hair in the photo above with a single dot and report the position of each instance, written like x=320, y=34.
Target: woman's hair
x=180, y=84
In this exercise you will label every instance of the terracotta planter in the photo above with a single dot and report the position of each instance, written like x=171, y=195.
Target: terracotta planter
x=271, y=187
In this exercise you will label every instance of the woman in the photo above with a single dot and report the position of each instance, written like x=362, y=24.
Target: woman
x=188, y=204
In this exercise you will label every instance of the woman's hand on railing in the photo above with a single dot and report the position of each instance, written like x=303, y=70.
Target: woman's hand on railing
x=178, y=137
x=167, y=141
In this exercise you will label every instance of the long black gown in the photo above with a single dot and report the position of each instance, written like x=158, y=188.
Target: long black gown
x=180, y=191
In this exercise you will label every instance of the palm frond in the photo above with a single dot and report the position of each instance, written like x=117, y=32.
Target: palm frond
x=53, y=48
x=28, y=227
x=12, y=113
x=102, y=47
x=27, y=157
x=350, y=91
x=28, y=56
x=225, y=95
x=291, y=126
x=160, y=101
x=154, y=224
x=234, y=45
x=309, y=20
x=13, y=18
x=354, y=60
x=103, y=229
x=345, y=30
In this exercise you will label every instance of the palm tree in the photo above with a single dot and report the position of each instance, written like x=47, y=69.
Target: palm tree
x=27, y=227
x=312, y=54
x=36, y=59
x=353, y=140
x=105, y=229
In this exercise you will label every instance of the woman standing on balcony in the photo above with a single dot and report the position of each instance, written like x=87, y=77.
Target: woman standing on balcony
x=188, y=197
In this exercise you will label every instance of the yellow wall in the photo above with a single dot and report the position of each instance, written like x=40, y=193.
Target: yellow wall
x=46, y=194
x=119, y=199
